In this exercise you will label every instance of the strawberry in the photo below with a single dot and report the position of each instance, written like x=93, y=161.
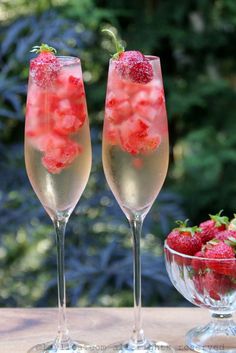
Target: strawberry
x=216, y=285
x=216, y=250
x=45, y=67
x=118, y=108
x=59, y=153
x=185, y=240
x=141, y=72
x=131, y=65
x=126, y=60
x=211, y=227
x=225, y=234
x=135, y=137
x=198, y=283
x=150, y=103
x=198, y=263
x=232, y=223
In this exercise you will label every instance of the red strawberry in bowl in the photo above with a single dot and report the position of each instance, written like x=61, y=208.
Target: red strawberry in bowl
x=232, y=223
x=131, y=65
x=225, y=235
x=216, y=285
x=211, y=227
x=216, y=250
x=198, y=262
x=184, y=240
x=45, y=67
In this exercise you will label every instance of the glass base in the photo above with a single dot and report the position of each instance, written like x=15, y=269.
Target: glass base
x=216, y=337
x=146, y=347
x=74, y=347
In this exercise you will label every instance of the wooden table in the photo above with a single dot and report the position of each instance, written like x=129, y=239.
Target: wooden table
x=20, y=329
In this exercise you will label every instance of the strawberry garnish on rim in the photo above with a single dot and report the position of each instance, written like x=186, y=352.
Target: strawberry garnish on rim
x=45, y=67
x=131, y=65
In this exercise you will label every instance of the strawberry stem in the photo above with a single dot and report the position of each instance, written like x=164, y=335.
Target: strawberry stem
x=184, y=229
x=219, y=220
x=118, y=45
x=43, y=48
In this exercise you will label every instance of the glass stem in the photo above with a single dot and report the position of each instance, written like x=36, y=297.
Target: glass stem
x=62, y=339
x=136, y=228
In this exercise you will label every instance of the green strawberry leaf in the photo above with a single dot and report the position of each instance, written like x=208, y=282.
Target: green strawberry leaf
x=43, y=48
x=219, y=220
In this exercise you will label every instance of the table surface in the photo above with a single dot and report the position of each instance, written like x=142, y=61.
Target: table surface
x=22, y=328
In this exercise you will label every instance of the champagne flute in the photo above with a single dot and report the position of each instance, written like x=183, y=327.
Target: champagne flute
x=57, y=157
x=135, y=157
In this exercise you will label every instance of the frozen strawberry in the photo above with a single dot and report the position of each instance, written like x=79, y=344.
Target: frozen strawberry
x=211, y=227
x=118, y=108
x=185, y=240
x=111, y=133
x=59, y=154
x=45, y=67
x=75, y=87
x=215, y=251
x=143, y=106
x=135, y=137
x=131, y=65
x=68, y=118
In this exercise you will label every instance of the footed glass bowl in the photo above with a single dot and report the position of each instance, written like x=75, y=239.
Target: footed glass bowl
x=211, y=284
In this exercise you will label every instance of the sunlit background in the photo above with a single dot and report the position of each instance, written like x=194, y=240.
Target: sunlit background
x=196, y=43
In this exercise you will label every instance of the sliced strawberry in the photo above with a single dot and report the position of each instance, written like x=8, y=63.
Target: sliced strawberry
x=75, y=87
x=135, y=137
x=69, y=119
x=111, y=133
x=118, y=108
x=59, y=153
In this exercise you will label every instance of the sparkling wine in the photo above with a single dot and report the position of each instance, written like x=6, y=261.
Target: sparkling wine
x=135, y=181
x=57, y=140
x=135, y=140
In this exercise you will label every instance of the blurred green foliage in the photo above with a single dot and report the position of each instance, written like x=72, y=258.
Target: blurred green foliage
x=195, y=41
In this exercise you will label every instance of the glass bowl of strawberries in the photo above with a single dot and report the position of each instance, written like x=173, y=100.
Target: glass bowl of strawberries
x=201, y=264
